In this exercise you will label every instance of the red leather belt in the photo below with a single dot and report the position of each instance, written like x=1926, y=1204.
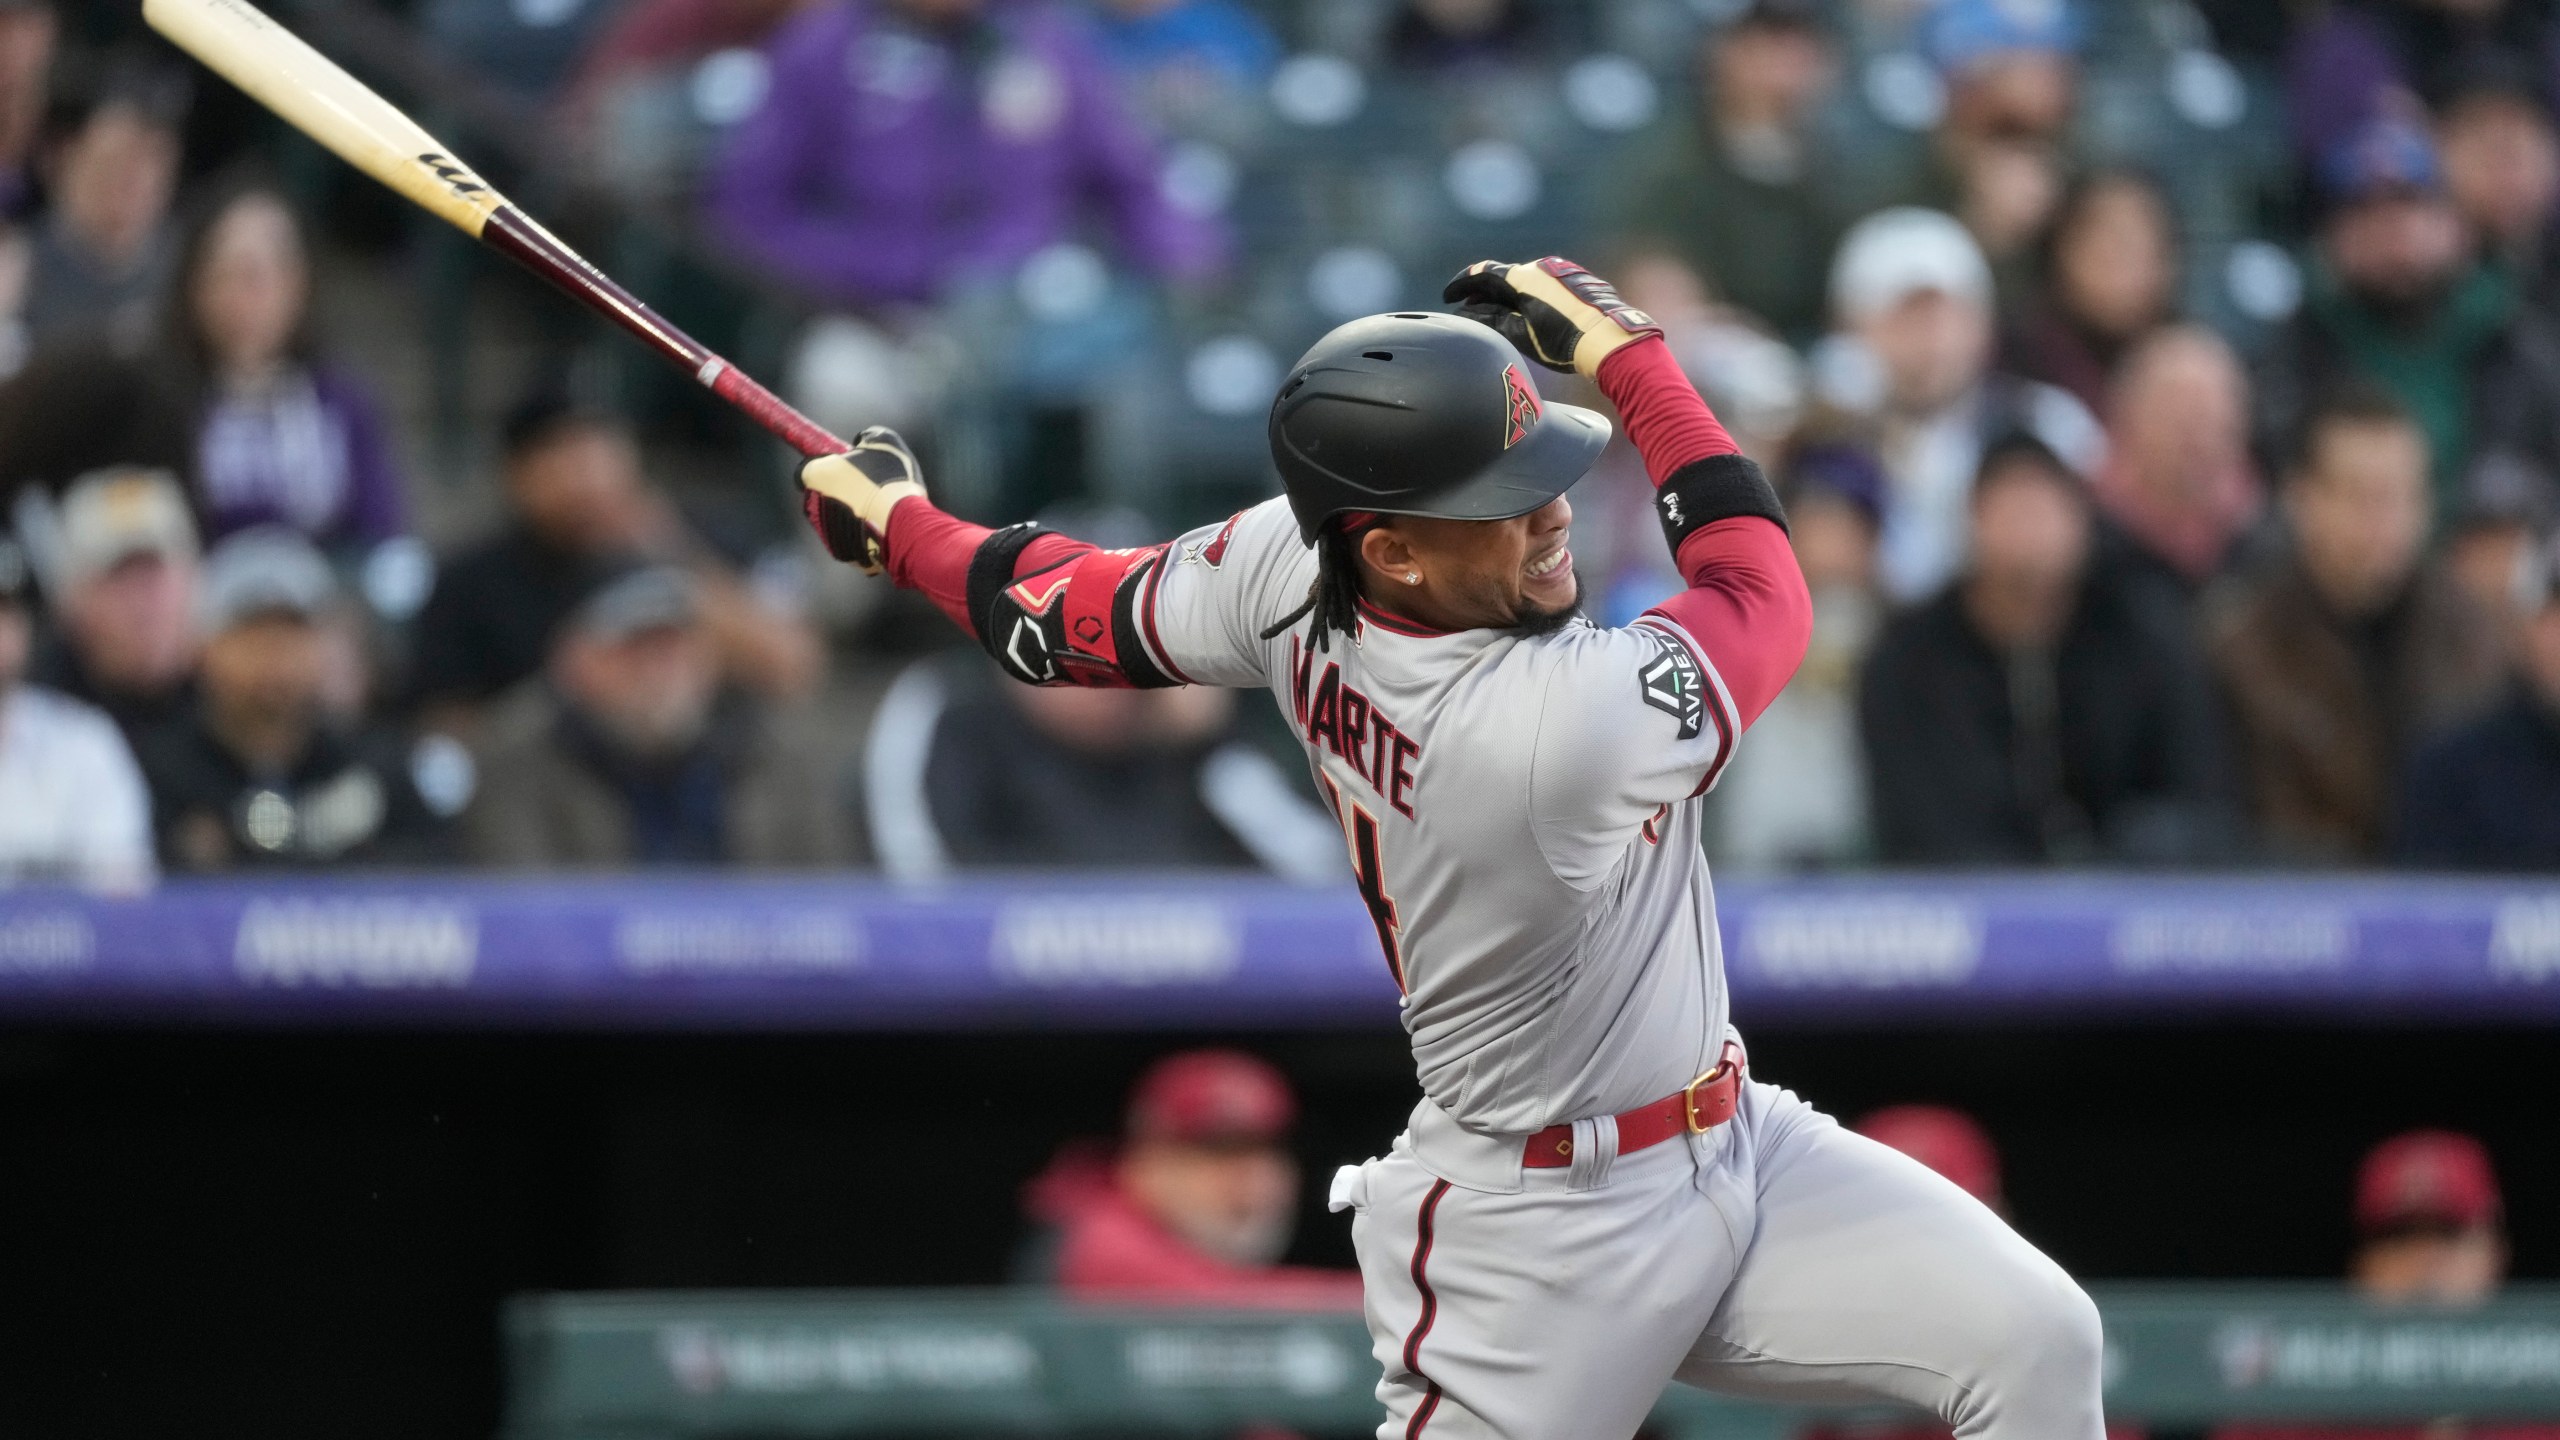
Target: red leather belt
x=1693, y=1109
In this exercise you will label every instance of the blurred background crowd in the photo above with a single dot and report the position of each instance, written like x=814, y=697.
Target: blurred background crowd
x=2166, y=396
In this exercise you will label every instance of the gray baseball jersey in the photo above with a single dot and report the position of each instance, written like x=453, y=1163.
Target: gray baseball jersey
x=1517, y=809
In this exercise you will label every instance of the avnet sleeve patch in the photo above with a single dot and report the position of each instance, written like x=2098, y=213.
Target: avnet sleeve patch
x=1671, y=683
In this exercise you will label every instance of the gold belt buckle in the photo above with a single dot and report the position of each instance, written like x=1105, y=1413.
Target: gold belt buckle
x=1689, y=1099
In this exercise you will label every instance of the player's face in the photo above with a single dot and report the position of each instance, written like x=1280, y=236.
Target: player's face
x=1479, y=574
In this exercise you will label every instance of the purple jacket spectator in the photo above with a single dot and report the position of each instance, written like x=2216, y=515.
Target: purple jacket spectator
x=311, y=454
x=893, y=159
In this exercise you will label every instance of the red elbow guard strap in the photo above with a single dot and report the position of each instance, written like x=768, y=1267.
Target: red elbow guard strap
x=1719, y=487
x=1072, y=621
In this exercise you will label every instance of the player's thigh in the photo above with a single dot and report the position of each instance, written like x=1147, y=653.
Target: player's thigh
x=1539, y=1316
x=1870, y=1277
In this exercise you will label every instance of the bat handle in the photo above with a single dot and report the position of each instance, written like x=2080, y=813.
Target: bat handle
x=769, y=410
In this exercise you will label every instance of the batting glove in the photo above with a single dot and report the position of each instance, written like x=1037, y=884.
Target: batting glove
x=848, y=497
x=1559, y=314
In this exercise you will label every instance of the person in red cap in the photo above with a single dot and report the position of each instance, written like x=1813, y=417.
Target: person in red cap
x=2429, y=1220
x=1946, y=1140
x=1199, y=1201
x=2431, y=1230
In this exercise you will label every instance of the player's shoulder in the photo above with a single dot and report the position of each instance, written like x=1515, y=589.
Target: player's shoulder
x=1594, y=677
x=1256, y=539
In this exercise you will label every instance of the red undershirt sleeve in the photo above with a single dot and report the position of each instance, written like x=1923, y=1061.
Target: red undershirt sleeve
x=1666, y=420
x=1746, y=605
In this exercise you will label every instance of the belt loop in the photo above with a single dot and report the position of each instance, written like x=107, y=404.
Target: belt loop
x=1595, y=1145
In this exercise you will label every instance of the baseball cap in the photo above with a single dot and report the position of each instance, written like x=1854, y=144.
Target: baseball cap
x=2385, y=153
x=1959, y=33
x=1850, y=474
x=2426, y=1178
x=1944, y=1139
x=1901, y=252
x=111, y=515
x=1208, y=1095
x=267, y=571
x=643, y=597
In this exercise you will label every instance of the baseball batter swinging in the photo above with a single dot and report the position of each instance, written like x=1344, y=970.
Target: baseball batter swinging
x=1592, y=1198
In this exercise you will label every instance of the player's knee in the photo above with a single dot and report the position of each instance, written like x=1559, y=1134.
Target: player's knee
x=2053, y=1339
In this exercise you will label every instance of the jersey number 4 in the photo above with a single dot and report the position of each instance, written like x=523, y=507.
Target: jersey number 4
x=1369, y=869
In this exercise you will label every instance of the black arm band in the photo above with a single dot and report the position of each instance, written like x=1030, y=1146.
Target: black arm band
x=990, y=570
x=1720, y=487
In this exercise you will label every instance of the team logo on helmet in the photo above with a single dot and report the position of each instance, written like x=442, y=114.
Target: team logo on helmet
x=1523, y=409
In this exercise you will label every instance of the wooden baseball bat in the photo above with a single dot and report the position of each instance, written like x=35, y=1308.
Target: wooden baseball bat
x=239, y=43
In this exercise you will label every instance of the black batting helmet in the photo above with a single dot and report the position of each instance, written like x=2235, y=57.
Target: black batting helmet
x=1423, y=414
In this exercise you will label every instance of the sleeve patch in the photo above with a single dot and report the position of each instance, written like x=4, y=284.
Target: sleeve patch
x=1670, y=683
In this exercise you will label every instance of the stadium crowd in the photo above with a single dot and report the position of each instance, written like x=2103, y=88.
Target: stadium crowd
x=2166, y=399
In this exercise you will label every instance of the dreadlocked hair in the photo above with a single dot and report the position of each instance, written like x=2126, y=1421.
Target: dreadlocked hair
x=1334, y=598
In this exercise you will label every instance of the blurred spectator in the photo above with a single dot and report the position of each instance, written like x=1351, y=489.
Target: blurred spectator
x=2429, y=1220
x=2012, y=84
x=2431, y=1231
x=79, y=406
x=1911, y=293
x=2487, y=795
x=28, y=30
x=104, y=245
x=962, y=771
x=580, y=508
x=2178, y=486
x=2502, y=168
x=119, y=562
x=631, y=112
x=2038, y=711
x=2340, y=656
x=2396, y=297
x=1737, y=188
x=283, y=436
x=635, y=752
x=907, y=147
x=2348, y=61
x=1182, y=58
x=255, y=775
x=1460, y=35
x=72, y=804
x=1945, y=1139
x=1197, y=1205
x=2508, y=501
x=653, y=36
x=1798, y=796
x=2108, y=277
x=527, y=47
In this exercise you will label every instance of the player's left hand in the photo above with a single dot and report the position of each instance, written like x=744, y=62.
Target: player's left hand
x=848, y=497
x=1561, y=315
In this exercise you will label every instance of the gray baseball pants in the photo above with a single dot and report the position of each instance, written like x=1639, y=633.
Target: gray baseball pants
x=1778, y=1256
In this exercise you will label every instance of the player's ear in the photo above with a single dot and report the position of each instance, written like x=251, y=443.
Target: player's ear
x=1387, y=555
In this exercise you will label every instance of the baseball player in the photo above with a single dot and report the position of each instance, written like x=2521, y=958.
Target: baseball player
x=1592, y=1197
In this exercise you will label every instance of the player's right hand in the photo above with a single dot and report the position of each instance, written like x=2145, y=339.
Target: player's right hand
x=848, y=497
x=1563, y=316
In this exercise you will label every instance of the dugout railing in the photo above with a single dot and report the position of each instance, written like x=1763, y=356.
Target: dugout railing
x=680, y=1366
